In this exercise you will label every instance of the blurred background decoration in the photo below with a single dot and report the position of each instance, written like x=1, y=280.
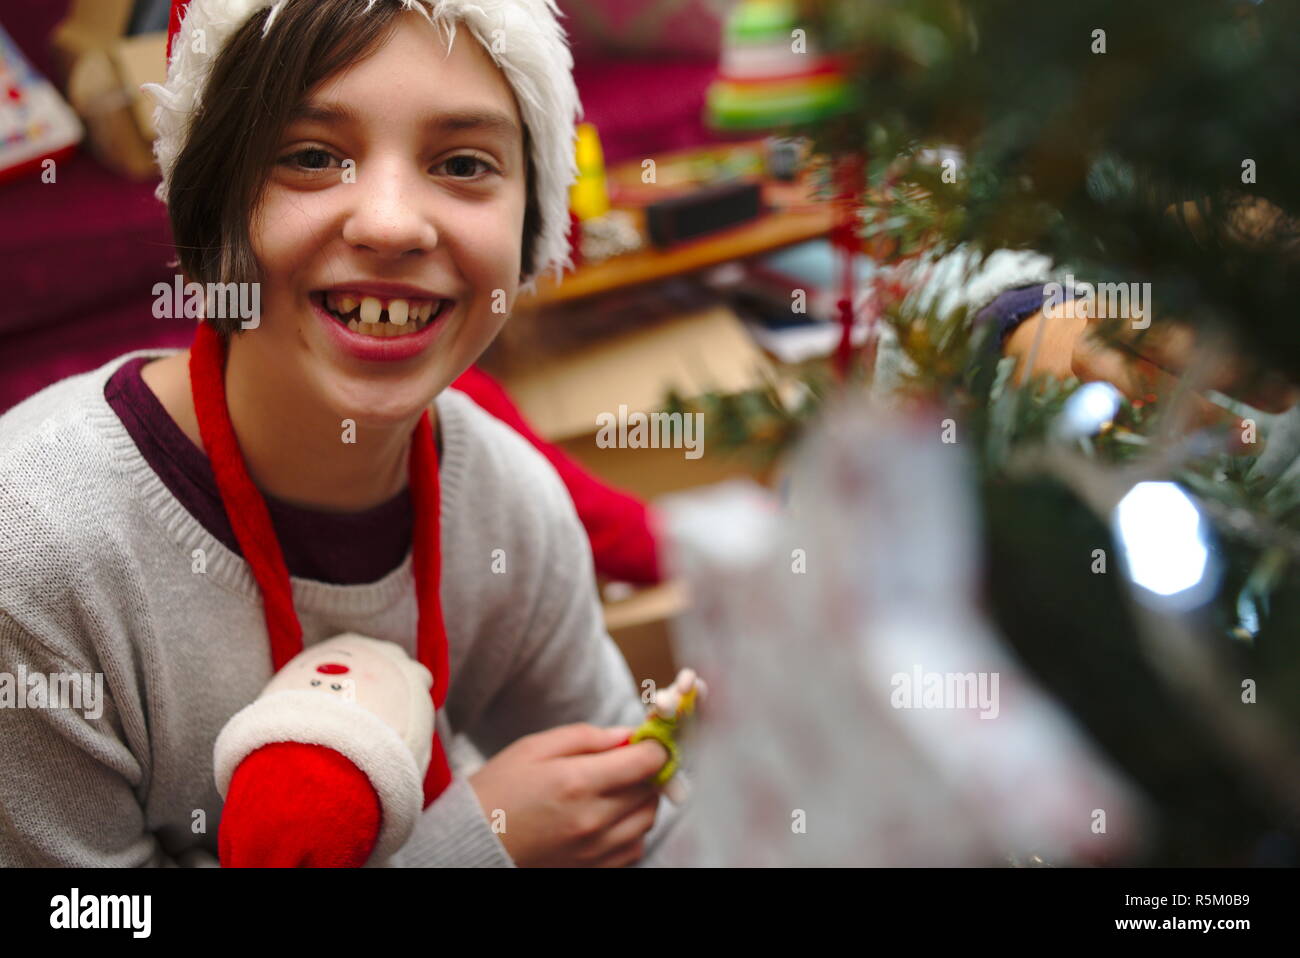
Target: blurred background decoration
x=772, y=72
x=806, y=757
x=37, y=128
x=1112, y=139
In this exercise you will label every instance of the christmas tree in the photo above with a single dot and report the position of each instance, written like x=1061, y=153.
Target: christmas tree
x=1130, y=144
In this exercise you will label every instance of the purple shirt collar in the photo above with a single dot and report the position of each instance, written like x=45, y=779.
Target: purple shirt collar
x=341, y=548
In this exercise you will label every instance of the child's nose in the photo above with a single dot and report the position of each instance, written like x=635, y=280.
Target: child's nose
x=389, y=213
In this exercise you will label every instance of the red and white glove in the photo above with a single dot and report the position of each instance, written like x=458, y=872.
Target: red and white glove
x=326, y=767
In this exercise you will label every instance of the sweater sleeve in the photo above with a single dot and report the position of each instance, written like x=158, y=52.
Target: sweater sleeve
x=453, y=832
x=68, y=782
x=566, y=668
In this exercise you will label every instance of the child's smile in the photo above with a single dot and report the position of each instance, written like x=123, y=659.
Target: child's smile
x=381, y=315
x=381, y=340
x=382, y=322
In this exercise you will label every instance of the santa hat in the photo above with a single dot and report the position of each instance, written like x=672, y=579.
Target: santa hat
x=535, y=61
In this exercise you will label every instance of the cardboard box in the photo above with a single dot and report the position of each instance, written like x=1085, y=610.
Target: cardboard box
x=90, y=25
x=641, y=627
x=102, y=70
x=709, y=350
x=563, y=396
x=139, y=60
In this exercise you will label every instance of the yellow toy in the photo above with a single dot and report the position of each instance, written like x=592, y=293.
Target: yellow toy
x=671, y=707
x=589, y=194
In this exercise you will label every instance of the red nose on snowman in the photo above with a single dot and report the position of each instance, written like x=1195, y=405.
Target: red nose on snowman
x=326, y=766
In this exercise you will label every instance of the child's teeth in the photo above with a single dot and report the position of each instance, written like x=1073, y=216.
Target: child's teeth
x=403, y=315
x=341, y=303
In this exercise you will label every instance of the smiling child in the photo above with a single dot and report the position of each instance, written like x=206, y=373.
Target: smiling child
x=391, y=173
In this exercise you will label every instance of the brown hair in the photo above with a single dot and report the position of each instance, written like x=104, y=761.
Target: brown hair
x=255, y=84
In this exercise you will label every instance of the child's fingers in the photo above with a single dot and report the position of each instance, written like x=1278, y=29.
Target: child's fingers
x=578, y=739
x=608, y=821
x=620, y=839
x=617, y=807
x=622, y=767
x=623, y=857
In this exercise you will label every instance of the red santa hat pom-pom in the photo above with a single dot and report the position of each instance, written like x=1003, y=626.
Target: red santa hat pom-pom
x=298, y=806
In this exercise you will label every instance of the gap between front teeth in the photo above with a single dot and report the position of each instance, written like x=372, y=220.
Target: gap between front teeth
x=372, y=308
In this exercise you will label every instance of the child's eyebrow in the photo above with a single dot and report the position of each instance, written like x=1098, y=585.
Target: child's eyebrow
x=340, y=114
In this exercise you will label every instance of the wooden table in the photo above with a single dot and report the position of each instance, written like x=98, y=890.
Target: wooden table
x=794, y=215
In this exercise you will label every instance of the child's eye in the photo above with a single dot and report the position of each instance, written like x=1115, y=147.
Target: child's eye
x=467, y=158
x=311, y=160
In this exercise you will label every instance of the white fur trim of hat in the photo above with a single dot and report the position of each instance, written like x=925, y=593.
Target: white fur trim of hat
x=535, y=59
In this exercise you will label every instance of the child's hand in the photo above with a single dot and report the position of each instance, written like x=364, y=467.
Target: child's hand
x=572, y=797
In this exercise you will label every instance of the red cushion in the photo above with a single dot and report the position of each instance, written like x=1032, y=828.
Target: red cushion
x=634, y=125
x=87, y=242
x=645, y=27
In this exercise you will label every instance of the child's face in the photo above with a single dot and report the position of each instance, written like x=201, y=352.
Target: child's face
x=432, y=208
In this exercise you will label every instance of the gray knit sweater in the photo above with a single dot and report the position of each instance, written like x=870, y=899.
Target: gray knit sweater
x=97, y=575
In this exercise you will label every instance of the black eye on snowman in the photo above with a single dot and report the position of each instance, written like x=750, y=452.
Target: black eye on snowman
x=315, y=682
x=336, y=687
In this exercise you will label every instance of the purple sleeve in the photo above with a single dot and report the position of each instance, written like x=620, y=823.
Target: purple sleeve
x=1009, y=309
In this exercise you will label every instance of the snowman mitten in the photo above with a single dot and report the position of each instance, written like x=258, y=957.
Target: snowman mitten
x=326, y=767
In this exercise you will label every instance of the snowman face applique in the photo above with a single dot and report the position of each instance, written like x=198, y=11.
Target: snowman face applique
x=378, y=676
x=334, y=677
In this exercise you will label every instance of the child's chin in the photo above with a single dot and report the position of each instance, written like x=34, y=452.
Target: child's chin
x=376, y=405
